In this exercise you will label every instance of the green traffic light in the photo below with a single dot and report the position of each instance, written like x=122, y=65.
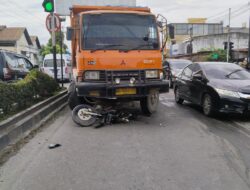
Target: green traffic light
x=48, y=6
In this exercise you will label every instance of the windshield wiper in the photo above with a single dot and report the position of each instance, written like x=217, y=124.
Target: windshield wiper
x=140, y=46
x=106, y=46
x=235, y=71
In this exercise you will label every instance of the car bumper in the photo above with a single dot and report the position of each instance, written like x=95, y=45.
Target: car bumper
x=109, y=91
x=234, y=105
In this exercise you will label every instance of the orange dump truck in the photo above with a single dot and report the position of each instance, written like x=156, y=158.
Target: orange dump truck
x=116, y=55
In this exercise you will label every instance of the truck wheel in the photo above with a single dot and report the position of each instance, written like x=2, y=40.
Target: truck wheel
x=73, y=100
x=150, y=103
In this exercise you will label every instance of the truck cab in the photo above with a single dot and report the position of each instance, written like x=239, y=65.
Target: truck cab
x=116, y=55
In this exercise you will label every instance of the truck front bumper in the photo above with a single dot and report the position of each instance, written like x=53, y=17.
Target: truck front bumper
x=112, y=91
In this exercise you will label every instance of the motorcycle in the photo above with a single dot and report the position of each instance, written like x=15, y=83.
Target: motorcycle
x=86, y=116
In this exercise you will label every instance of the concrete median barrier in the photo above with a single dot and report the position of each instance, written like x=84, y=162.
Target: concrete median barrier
x=22, y=124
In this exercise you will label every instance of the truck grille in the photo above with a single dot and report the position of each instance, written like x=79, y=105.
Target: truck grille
x=110, y=76
x=139, y=75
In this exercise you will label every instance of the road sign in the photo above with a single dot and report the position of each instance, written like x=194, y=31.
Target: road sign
x=49, y=23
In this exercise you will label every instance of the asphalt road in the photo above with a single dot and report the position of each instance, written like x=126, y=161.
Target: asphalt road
x=175, y=149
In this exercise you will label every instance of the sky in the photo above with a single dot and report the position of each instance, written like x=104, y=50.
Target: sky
x=30, y=13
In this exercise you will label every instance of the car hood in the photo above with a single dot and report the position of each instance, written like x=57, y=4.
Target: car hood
x=232, y=85
x=176, y=71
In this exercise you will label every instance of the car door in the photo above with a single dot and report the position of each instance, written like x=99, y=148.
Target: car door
x=21, y=66
x=197, y=86
x=1, y=66
x=12, y=65
x=28, y=66
x=185, y=82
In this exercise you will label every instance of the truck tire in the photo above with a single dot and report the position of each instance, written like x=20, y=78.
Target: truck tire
x=150, y=103
x=73, y=100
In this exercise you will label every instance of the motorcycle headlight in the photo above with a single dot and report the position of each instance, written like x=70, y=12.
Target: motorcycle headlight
x=151, y=74
x=222, y=92
x=92, y=75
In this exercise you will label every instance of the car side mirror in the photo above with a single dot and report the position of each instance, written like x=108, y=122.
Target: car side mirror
x=35, y=67
x=70, y=32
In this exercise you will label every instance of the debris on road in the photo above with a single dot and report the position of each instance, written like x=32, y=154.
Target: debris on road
x=53, y=146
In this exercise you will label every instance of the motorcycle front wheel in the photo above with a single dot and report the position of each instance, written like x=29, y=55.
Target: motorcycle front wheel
x=80, y=117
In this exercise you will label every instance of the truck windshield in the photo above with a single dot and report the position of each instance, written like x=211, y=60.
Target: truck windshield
x=110, y=31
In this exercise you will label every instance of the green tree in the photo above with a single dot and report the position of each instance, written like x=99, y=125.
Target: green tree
x=48, y=49
x=217, y=55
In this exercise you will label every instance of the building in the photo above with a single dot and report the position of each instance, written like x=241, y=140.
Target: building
x=17, y=39
x=194, y=27
x=35, y=50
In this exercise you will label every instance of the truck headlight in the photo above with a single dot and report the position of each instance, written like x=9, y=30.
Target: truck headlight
x=152, y=74
x=92, y=75
x=222, y=92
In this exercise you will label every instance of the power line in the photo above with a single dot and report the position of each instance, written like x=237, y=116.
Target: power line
x=22, y=8
x=244, y=7
x=18, y=14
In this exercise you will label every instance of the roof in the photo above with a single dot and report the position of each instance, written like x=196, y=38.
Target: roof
x=78, y=8
x=213, y=62
x=221, y=34
x=13, y=34
x=36, y=41
x=177, y=23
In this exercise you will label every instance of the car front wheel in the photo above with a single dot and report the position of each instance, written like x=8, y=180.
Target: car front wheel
x=208, y=105
x=178, y=100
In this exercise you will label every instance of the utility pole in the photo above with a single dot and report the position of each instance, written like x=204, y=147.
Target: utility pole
x=248, y=58
x=48, y=6
x=228, y=37
x=54, y=45
x=61, y=48
x=191, y=41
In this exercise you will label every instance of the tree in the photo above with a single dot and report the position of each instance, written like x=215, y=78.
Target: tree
x=48, y=49
x=217, y=55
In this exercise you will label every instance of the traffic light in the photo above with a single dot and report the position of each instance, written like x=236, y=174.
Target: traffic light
x=48, y=6
x=231, y=46
x=225, y=45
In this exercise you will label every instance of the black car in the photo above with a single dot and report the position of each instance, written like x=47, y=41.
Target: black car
x=13, y=66
x=173, y=67
x=217, y=87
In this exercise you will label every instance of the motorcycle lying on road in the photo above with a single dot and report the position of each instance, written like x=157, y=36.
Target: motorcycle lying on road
x=85, y=115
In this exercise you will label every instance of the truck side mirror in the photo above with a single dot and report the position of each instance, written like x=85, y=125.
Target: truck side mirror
x=70, y=32
x=171, y=31
x=159, y=24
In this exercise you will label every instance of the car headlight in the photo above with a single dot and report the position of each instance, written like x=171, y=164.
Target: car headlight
x=222, y=92
x=151, y=74
x=92, y=75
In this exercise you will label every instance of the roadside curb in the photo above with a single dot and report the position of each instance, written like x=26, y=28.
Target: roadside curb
x=21, y=125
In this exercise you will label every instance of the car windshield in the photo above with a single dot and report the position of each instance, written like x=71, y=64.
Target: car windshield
x=225, y=71
x=50, y=63
x=119, y=32
x=179, y=65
